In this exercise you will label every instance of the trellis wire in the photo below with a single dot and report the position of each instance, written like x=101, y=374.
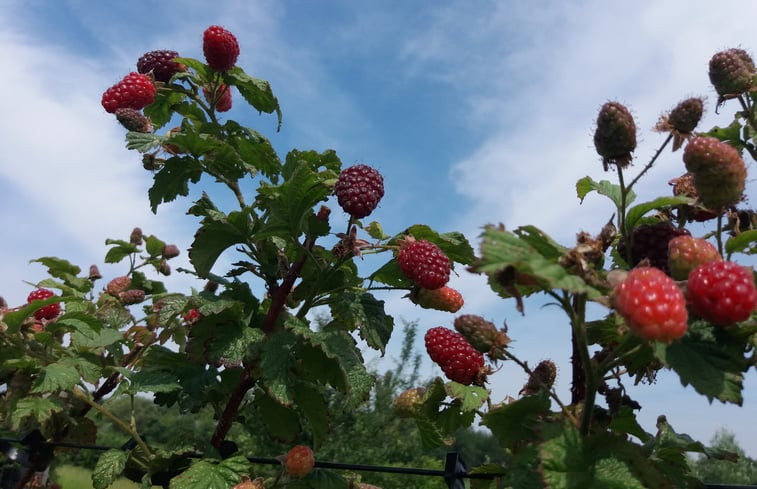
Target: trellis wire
x=454, y=472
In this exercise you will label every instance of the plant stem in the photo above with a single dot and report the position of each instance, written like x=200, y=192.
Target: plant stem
x=78, y=393
x=651, y=162
x=232, y=406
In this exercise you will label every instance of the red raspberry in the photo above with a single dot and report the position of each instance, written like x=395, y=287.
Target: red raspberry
x=118, y=285
x=134, y=91
x=718, y=170
x=160, y=63
x=687, y=252
x=722, y=292
x=424, y=263
x=652, y=304
x=442, y=299
x=615, y=135
x=50, y=311
x=221, y=98
x=359, y=190
x=220, y=47
x=299, y=461
x=192, y=316
x=451, y=351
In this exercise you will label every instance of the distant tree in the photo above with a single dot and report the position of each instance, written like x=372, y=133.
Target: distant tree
x=742, y=471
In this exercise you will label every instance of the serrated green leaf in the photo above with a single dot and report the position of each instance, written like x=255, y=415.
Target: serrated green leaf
x=709, y=359
x=55, y=377
x=172, y=180
x=431, y=436
x=152, y=381
x=205, y=474
x=275, y=365
x=541, y=242
x=375, y=231
x=730, y=133
x=143, y=141
x=154, y=246
x=311, y=403
x=743, y=242
x=89, y=332
x=471, y=397
x=38, y=408
x=119, y=251
x=204, y=72
x=161, y=110
x=212, y=239
x=281, y=422
x=254, y=150
x=638, y=211
x=511, y=423
x=108, y=468
x=625, y=422
x=58, y=267
x=586, y=185
x=255, y=91
x=365, y=313
x=390, y=274
x=327, y=479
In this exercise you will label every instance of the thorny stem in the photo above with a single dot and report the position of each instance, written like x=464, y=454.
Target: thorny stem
x=576, y=309
x=124, y=427
x=279, y=295
x=549, y=390
x=651, y=162
x=232, y=406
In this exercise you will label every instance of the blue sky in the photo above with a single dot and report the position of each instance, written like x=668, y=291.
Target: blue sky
x=475, y=112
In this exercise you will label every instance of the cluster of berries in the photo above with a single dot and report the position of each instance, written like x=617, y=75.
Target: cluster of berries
x=137, y=90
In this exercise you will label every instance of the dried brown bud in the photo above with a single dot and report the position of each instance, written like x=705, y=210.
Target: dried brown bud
x=165, y=268
x=211, y=286
x=94, y=273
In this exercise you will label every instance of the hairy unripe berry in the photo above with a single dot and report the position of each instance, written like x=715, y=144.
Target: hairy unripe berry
x=359, y=190
x=133, y=296
x=133, y=120
x=135, y=237
x=687, y=252
x=479, y=332
x=686, y=115
x=409, y=402
x=170, y=251
x=118, y=285
x=731, y=72
x=542, y=377
x=160, y=63
x=299, y=461
x=450, y=350
x=722, y=292
x=220, y=48
x=652, y=304
x=50, y=311
x=442, y=299
x=424, y=263
x=615, y=134
x=718, y=170
x=221, y=97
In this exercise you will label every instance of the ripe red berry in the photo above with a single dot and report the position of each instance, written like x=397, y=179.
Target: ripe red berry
x=722, y=292
x=299, y=461
x=50, y=311
x=221, y=97
x=650, y=241
x=134, y=91
x=450, y=350
x=442, y=299
x=424, y=263
x=652, y=304
x=160, y=63
x=220, y=48
x=359, y=190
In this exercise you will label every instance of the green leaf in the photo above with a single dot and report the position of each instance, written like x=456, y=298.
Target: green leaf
x=255, y=91
x=742, y=243
x=275, y=364
x=89, y=332
x=119, y=251
x=254, y=150
x=431, y=436
x=625, y=422
x=58, y=267
x=327, y=479
x=541, y=242
x=638, y=211
x=205, y=474
x=391, y=275
x=471, y=397
x=161, y=110
x=710, y=359
x=152, y=381
x=587, y=185
x=313, y=406
x=730, y=133
x=375, y=231
x=364, y=312
x=108, y=468
x=38, y=408
x=213, y=238
x=55, y=377
x=143, y=141
x=517, y=421
x=173, y=180
x=281, y=422
x=204, y=72
x=154, y=246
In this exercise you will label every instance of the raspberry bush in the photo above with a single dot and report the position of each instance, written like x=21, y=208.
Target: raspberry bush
x=246, y=345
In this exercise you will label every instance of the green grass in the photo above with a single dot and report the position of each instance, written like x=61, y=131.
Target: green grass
x=70, y=477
